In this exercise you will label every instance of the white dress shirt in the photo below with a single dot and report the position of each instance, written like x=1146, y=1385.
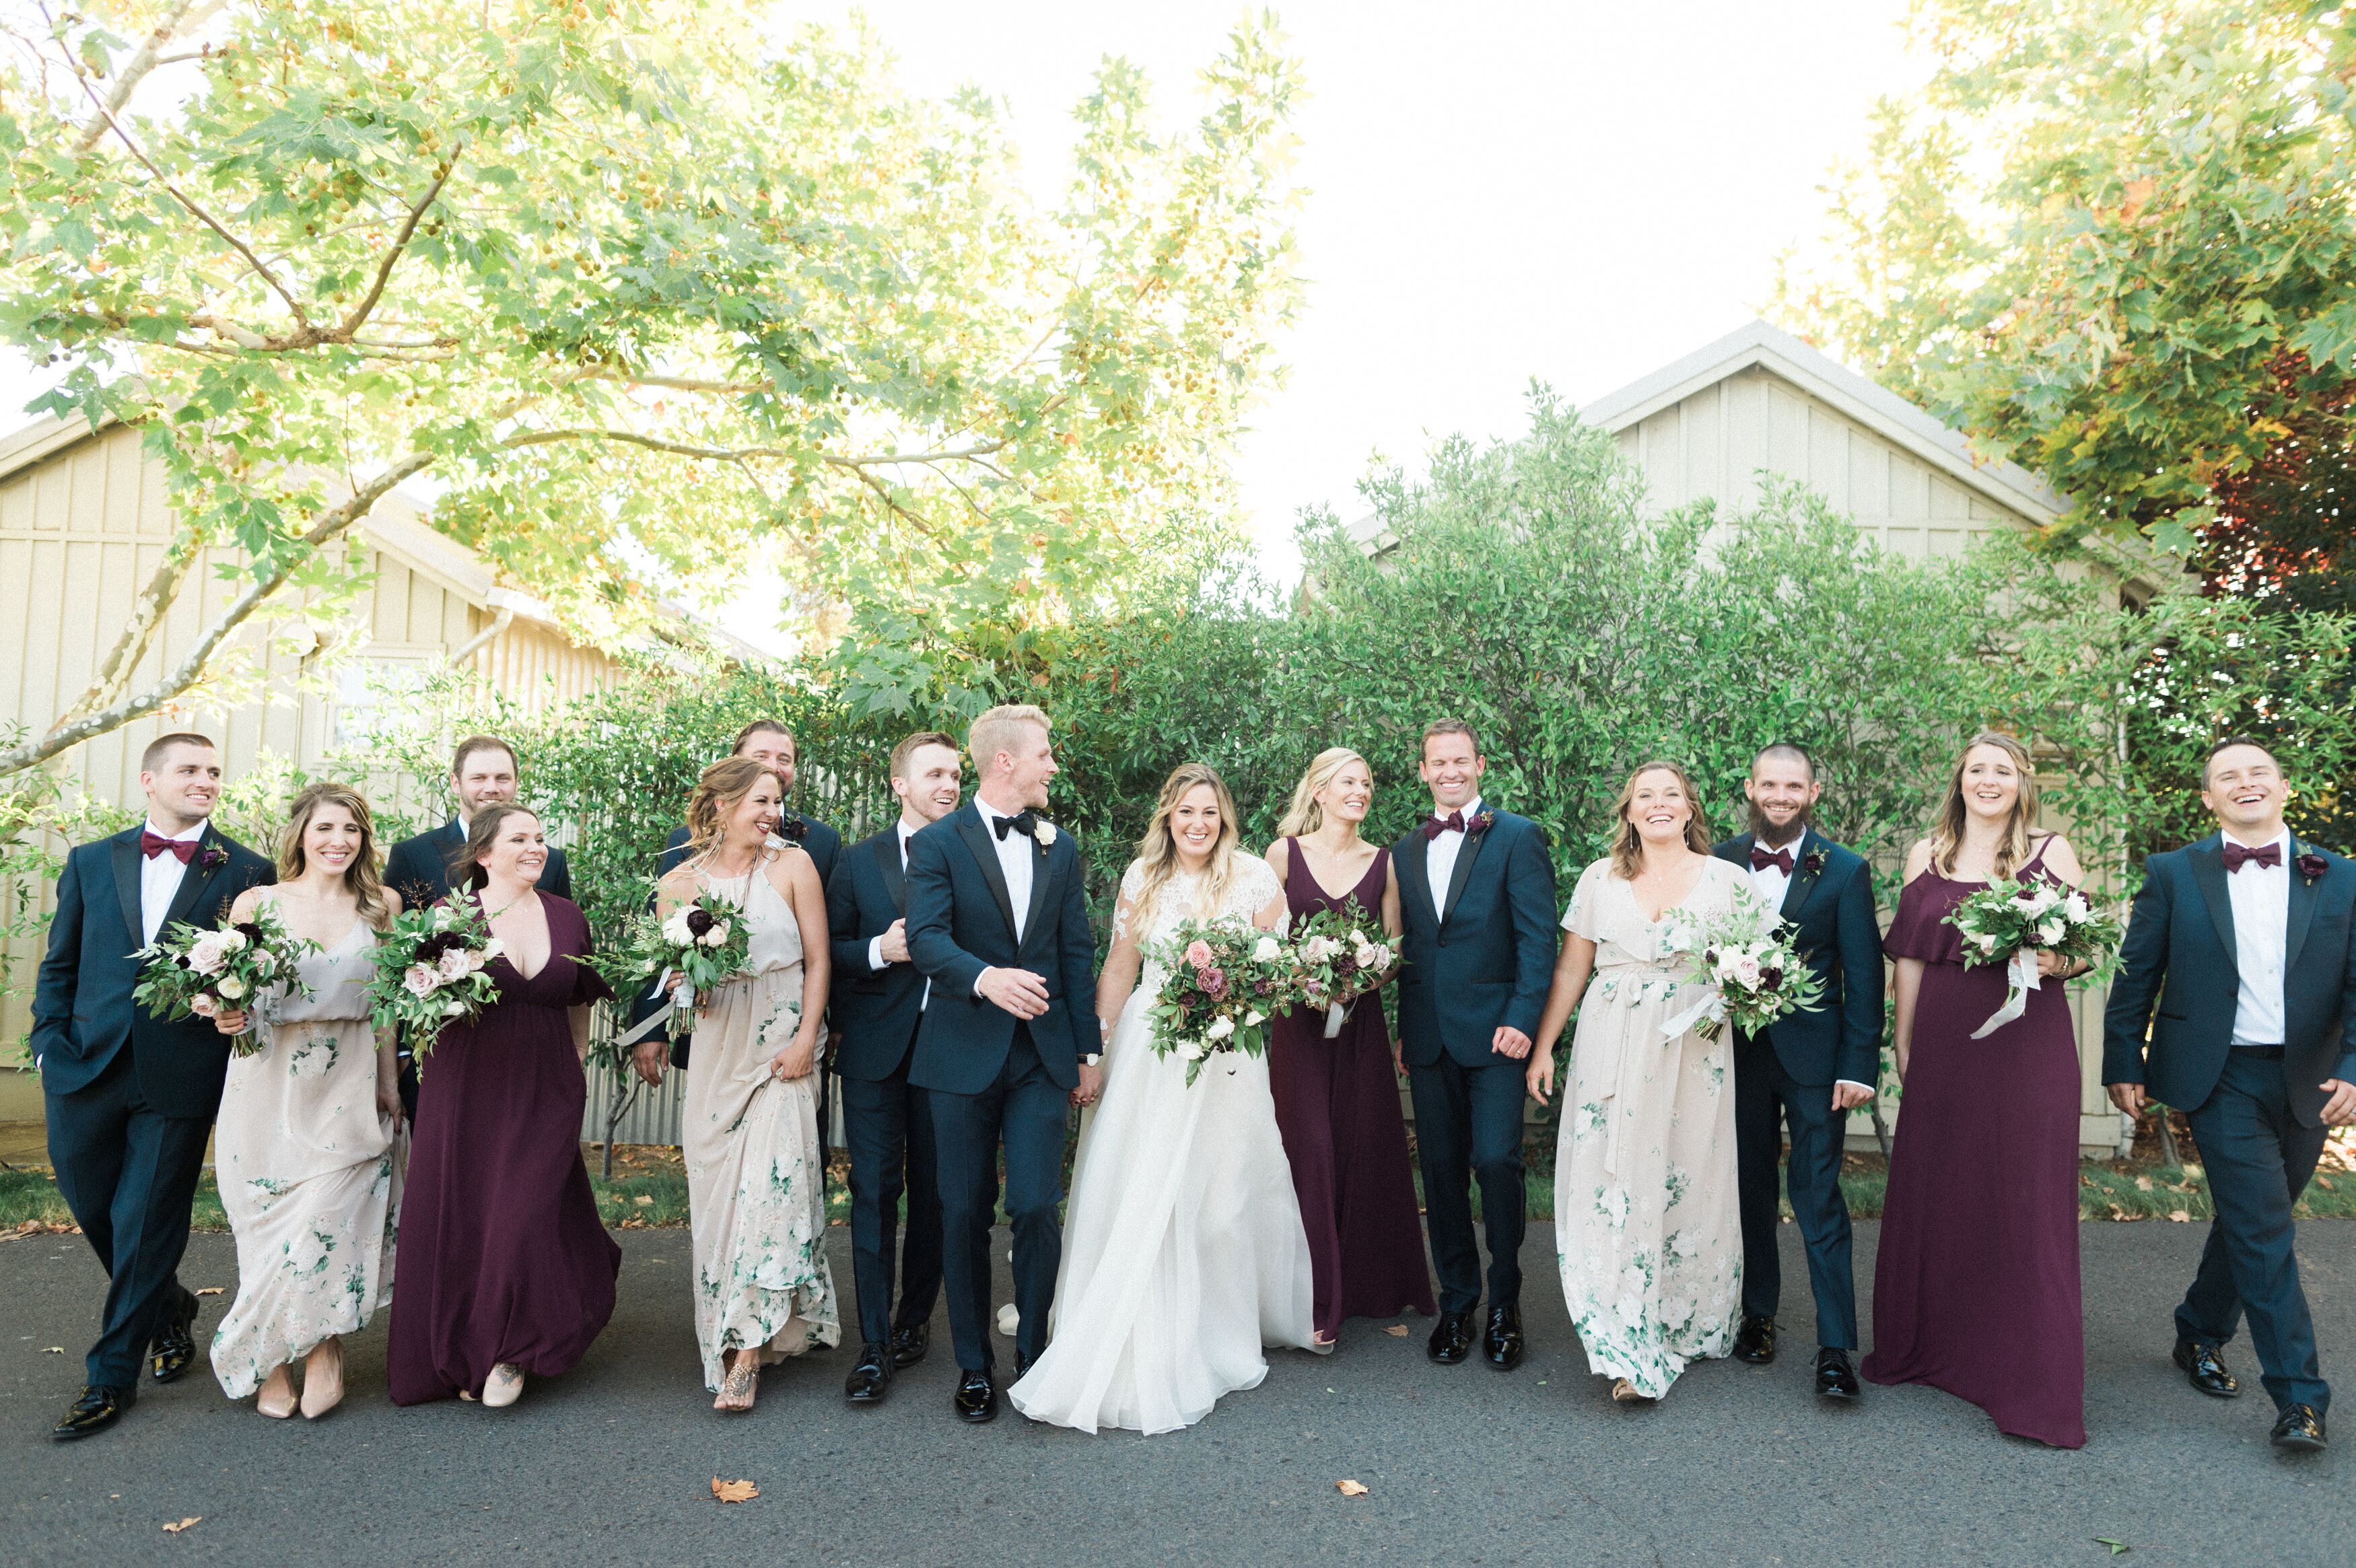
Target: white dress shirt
x=1013, y=860
x=159, y=881
x=1440, y=860
x=2261, y=900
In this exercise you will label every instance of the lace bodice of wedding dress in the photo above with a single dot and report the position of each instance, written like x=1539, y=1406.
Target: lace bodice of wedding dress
x=1251, y=887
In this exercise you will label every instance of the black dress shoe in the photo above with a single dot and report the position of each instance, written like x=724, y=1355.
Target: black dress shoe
x=99, y=1408
x=2299, y=1429
x=1022, y=1366
x=174, y=1349
x=909, y=1343
x=1754, y=1342
x=1451, y=1338
x=1835, y=1379
x=871, y=1379
x=1502, y=1346
x=977, y=1398
x=2205, y=1370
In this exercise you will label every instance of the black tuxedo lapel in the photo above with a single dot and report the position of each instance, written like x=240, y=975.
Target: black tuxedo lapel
x=895, y=876
x=196, y=880
x=2208, y=862
x=1039, y=864
x=2301, y=912
x=976, y=834
x=124, y=850
x=1462, y=872
x=1801, y=882
x=1415, y=878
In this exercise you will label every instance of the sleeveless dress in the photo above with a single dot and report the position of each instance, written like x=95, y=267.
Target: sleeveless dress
x=310, y=1175
x=1647, y=1222
x=1337, y=1105
x=504, y=1257
x=756, y=1177
x=1183, y=1255
x=1976, y=1281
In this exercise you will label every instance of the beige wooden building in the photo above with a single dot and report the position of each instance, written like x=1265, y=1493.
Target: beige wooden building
x=83, y=522
x=1759, y=401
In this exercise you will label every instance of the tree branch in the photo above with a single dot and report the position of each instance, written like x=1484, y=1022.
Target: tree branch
x=360, y=313
x=147, y=614
x=187, y=15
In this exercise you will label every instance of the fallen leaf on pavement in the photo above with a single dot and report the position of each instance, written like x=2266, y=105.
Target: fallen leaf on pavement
x=1396, y=1330
x=212, y=1290
x=2180, y=1216
x=734, y=1491
x=2116, y=1546
x=53, y=1350
x=1350, y=1488
x=176, y=1529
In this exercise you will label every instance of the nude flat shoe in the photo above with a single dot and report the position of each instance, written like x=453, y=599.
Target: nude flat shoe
x=281, y=1406
x=1624, y=1392
x=323, y=1379
x=503, y=1387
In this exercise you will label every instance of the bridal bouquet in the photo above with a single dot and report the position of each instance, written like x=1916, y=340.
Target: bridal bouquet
x=1746, y=957
x=1336, y=960
x=188, y=971
x=2009, y=923
x=1224, y=980
x=432, y=970
x=705, y=939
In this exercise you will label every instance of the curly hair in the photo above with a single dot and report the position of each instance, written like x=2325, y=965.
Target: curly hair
x=718, y=790
x=364, y=877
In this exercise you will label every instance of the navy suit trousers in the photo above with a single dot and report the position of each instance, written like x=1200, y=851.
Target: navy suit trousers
x=129, y=1175
x=888, y=1126
x=1025, y=1109
x=1765, y=1098
x=2259, y=1157
x=1468, y=1121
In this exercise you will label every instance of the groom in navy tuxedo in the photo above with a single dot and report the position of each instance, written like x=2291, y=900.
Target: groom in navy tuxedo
x=1809, y=1070
x=130, y=1099
x=998, y=925
x=1476, y=894
x=2244, y=946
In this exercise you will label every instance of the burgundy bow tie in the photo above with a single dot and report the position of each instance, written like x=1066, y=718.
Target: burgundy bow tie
x=1761, y=859
x=182, y=849
x=2240, y=855
x=1436, y=825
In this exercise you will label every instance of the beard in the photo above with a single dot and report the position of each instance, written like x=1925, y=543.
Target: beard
x=1775, y=837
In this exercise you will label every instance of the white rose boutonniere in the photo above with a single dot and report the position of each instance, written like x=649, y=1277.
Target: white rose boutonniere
x=1044, y=832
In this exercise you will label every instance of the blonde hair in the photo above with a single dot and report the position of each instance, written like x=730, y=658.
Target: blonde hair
x=718, y=790
x=1627, y=845
x=1304, y=815
x=1157, y=852
x=998, y=729
x=363, y=876
x=2013, y=849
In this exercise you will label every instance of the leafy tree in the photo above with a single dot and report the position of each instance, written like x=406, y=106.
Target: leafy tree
x=647, y=300
x=2115, y=242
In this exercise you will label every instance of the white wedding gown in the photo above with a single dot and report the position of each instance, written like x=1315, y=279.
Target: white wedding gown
x=1183, y=1252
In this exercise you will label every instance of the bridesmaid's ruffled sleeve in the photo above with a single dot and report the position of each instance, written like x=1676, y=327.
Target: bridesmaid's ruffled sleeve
x=1584, y=918
x=1919, y=929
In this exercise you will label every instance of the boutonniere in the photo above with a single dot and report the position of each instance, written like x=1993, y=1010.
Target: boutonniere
x=792, y=828
x=1480, y=823
x=1812, y=862
x=1044, y=832
x=212, y=857
x=2311, y=865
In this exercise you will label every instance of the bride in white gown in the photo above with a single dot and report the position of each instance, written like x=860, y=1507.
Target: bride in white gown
x=1183, y=1255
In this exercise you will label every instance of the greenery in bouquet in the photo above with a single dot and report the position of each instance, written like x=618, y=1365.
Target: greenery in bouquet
x=706, y=939
x=1755, y=975
x=432, y=970
x=1337, y=958
x=1223, y=980
x=188, y=971
x=2038, y=915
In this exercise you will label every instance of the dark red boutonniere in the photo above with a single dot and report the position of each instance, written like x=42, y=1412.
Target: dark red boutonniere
x=792, y=828
x=2311, y=865
x=1480, y=823
x=212, y=857
x=1812, y=862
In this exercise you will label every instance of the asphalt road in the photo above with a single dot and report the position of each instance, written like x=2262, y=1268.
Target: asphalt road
x=612, y=1464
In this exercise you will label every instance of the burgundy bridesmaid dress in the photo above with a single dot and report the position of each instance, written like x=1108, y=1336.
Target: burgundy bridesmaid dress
x=501, y=1255
x=1337, y=1105
x=1975, y=1284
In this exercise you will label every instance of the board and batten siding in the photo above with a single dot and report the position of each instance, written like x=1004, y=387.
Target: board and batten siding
x=83, y=527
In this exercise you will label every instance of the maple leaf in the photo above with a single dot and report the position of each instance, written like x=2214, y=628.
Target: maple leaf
x=734, y=1491
x=1350, y=1488
x=176, y=1529
x=1396, y=1330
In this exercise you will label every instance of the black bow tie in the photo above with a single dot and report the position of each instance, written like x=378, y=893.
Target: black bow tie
x=1025, y=822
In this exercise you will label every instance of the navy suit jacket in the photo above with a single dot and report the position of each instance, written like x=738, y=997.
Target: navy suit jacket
x=821, y=843
x=418, y=869
x=2179, y=961
x=961, y=921
x=876, y=1010
x=1839, y=940
x=82, y=1011
x=1488, y=964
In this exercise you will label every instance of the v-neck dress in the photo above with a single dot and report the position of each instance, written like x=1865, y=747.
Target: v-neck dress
x=503, y=1256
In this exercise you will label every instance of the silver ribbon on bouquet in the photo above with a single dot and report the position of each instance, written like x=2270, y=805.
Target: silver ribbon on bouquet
x=682, y=1001
x=1712, y=1008
x=1337, y=1015
x=2019, y=979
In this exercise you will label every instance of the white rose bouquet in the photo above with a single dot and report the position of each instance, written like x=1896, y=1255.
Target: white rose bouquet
x=1338, y=960
x=1754, y=974
x=188, y=971
x=1224, y=980
x=2012, y=923
x=705, y=939
x=432, y=970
